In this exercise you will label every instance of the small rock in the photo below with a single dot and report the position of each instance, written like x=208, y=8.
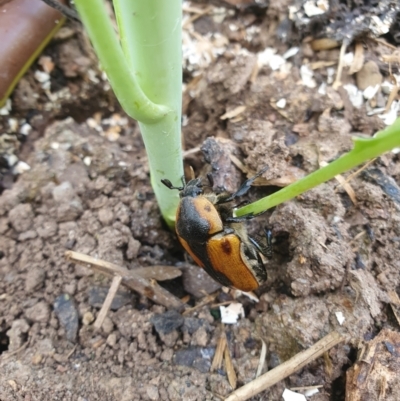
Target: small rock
x=67, y=315
x=47, y=229
x=102, y=184
x=97, y=295
x=122, y=213
x=202, y=365
x=63, y=193
x=35, y=279
x=38, y=313
x=45, y=347
x=108, y=325
x=191, y=324
x=4, y=225
x=169, y=339
x=132, y=249
x=17, y=334
x=37, y=359
x=13, y=385
x=87, y=318
x=369, y=75
x=200, y=358
x=196, y=281
x=112, y=340
x=152, y=392
x=200, y=337
x=167, y=354
x=165, y=323
x=70, y=288
x=69, y=211
x=21, y=217
x=76, y=174
x=27, y=235
x=106, y=216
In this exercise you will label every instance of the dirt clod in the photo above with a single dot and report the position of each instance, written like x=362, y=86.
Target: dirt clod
x=40, y=312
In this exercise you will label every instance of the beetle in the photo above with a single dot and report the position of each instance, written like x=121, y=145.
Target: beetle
x=215, y=239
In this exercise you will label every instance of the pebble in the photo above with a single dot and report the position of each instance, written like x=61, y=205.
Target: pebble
x=87, y=318
x=199, y=358
x=196, y=281
x=167, y=354
x=47, y=229
x=35, y=279
x=165, y=323
x=39, y=312
x=133, y=248
x=17, y=334
x=67, y=314
x=36, y=359
x=106, y=216
x=63, y=193
x=200, y=337
x=69, y=211
x=170, y=339
x=369, y=75
x=21, y=217
x=97, y=295
x=108, y=325
x=112, y=340
x=191, y=324
x=27, y=235
x=152, y=392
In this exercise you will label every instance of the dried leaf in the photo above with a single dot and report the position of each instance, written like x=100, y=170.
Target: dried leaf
x=233, y=113
x=261, y=362
x=219, y=353
x=230, y=371
x=358, y=60
x=159, y=272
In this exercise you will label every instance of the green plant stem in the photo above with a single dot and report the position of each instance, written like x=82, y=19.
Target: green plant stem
x=146, y=75
x=364, y=149
x=151, y=38
x=123, y=81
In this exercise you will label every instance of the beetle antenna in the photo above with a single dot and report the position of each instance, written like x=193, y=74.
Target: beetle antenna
x=244, y=188
x=169, y=185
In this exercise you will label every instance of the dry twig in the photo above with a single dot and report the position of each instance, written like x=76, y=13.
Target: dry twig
x=12, y=353
x=205, y=301
x=338, y=80
x=285, y=369
x=107, y=302
x=130, y=279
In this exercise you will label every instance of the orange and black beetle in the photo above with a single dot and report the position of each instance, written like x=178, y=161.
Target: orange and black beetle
x=215, y=239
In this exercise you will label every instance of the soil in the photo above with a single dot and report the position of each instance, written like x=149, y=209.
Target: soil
x=87, y=189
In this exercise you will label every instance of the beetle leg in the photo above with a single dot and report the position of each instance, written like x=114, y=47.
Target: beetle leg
x=240, y=219
x=244, y=188
x=266, y=249
x=169, y=185
x=210, y=180
x=228, y=230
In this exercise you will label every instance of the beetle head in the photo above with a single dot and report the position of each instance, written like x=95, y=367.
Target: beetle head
x=193, y=188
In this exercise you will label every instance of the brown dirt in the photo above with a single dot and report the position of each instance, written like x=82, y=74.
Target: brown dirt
x=88, y=190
